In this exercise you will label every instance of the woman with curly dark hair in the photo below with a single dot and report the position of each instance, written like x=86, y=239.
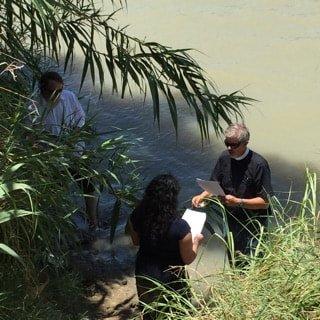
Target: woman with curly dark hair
x=164, y=238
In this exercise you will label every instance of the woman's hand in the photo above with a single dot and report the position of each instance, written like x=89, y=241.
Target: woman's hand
x=198, y=238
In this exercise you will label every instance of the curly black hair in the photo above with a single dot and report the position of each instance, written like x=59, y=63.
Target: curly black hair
x=159, y=206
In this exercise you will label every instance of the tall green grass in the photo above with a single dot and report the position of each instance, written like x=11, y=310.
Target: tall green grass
x=36, y=228
x=61, y=299
x=282, y=282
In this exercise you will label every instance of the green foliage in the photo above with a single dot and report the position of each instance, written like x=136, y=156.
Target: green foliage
x=35, y=206
x=281, y=280
x=59, y=299
x=35, y=179
x=32, y=29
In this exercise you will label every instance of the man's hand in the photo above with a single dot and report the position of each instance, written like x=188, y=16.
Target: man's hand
x=231, y=201
x=196, y=200
x=252, y=203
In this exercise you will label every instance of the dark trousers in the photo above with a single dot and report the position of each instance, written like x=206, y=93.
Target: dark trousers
x=245, y=240
x=245, y=232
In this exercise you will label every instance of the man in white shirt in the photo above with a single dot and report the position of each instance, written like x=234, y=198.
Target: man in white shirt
x=60, y=112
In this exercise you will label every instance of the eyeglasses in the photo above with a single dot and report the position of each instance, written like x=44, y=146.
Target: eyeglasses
x=232, y=145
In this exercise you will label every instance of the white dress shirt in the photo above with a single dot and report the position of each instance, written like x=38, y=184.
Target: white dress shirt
x=61, y=117
x=67, y=113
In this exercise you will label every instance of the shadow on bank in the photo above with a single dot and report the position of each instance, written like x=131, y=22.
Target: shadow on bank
x=107, y=273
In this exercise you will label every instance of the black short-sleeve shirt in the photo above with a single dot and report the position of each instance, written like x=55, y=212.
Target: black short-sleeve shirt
x=155, y=257
x=247, y=178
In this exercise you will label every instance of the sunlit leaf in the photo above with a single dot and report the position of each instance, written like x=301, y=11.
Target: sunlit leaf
x=7, y=250
x=13, y=214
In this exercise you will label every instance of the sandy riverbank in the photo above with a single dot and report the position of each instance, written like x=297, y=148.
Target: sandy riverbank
x=108, y=273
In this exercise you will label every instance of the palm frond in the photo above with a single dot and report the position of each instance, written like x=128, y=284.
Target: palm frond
x=46, y=26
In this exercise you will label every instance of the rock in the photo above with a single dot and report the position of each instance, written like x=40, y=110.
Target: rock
x=124, y=282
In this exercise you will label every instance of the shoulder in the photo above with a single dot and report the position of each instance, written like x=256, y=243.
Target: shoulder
x=179, y=222
x=223, y=159
x=220, y=165
x=70, y=100
x=67, y=94
x=259, y=160
x=179, y=228
x=224, y=156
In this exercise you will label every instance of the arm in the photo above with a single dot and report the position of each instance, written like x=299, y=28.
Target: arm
x=133, y=234
x=188, y=248
x=254, y=203
x=79, y=115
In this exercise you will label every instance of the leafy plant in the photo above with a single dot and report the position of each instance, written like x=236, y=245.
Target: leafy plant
x=281, y=283
x=35, y=203
x=31, y=29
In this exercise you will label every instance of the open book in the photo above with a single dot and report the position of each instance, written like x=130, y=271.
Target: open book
x=195, y=219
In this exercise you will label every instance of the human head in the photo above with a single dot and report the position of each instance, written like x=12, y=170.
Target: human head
x=159, y=205
x=237, y=137
x=50, y=85
x=163, y=188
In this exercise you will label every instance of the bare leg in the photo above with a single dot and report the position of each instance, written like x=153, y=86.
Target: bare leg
x=91, y=201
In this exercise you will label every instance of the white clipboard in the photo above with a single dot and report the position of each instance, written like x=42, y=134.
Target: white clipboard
x=211, y=186
x=196, y=220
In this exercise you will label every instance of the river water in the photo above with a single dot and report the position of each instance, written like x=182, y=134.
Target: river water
x=268, y=49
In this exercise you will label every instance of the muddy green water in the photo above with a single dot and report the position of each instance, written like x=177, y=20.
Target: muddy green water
x=268, y=49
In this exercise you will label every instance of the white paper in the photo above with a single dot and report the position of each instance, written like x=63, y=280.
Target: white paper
x=195, y=219
x=211, y=186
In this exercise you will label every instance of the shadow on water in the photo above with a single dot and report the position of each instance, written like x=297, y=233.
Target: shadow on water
x=162, y=150
x=184, y=155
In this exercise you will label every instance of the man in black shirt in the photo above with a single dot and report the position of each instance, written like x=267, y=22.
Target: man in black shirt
x=246, y=180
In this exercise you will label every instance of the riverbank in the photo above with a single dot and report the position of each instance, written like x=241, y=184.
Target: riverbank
x=108, y=276
x=280, y=281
